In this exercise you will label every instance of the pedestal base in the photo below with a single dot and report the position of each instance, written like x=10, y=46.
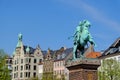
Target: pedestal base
x=85, y=69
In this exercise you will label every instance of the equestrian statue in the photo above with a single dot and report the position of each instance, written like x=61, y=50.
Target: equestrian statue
x=81, y=38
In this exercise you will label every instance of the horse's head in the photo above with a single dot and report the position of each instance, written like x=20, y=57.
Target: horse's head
x=85, y=35
x=86, y=24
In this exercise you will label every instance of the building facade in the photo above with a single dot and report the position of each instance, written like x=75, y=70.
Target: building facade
x=40, y=70
x=48, y=65
x=110, y=69
x=112, y=51
x=62, y=56
x=25, y=61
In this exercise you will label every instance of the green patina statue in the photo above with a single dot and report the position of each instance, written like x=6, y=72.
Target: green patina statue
x=81, y=38
x=19, y=40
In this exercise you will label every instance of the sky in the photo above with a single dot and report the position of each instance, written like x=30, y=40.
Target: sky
x=49, y=23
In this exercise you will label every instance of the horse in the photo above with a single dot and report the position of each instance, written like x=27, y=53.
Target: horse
x=81, y=38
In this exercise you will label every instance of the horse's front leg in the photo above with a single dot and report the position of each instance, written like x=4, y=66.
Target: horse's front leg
x=75, y=52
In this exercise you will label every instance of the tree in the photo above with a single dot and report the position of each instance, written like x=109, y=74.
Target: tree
x=4, y=72
x=109, y=70
x=59, y=77
x=47, y=76
x=50, y=76
x=34, y=78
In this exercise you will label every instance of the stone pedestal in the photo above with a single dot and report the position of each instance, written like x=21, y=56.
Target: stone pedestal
x=83, y=69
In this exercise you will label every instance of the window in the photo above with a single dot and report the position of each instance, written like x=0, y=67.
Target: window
x=29, y=67
x=34, y=74
x=35, y=61
x=63, y=55
x=21, y=74
x=15, y=62
x=17, y=67
x=26, y=60
x=58, y=57
x=34, y=67
x=119, y=48
x=25, y=74
x=29, y=60
x=21, y=67
x=113, y=50
x=21, y=61
x=10, y=61
x=37, y=52
x=14, y=75
x=28, y=74
x=40, y=60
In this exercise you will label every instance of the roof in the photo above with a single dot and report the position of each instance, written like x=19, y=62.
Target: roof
x=49, y=52
x=31, y=50
x=109, y=55
x=63, y=54
x=116, y=43
x=93, y=55
x=114, y=48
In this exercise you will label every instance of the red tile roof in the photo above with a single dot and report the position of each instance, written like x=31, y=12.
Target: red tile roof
x=93, y=55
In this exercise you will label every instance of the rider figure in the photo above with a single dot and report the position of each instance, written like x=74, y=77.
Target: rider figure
x=81, y=37
x=77, y=33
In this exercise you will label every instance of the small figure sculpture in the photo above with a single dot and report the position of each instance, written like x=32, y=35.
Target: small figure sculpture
x=19, y=40
x=20, y=37
x=81, y=38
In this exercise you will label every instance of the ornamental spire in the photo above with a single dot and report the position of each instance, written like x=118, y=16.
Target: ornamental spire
x=28, y=49
x=19, y=44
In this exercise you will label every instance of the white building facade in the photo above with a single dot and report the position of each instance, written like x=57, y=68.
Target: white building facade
x=25, y=61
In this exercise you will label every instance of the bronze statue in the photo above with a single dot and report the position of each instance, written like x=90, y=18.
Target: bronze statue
x=81, y=38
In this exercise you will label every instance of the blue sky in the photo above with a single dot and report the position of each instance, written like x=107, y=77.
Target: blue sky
x=49, y=23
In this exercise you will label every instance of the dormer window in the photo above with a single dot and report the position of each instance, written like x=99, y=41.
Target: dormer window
x=38, y=53
x=58, y=57
x=40, y=60
x=63, y=55
x=113, y=50
x=119, y=48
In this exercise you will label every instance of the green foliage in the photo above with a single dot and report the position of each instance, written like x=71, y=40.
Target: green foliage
x=50, y=76
x=34, y=78
x=4, y=72
x=109, y=70
x=59, y=77
x=47, y=76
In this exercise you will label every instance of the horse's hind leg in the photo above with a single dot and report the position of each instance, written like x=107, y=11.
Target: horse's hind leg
x=74, y=52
